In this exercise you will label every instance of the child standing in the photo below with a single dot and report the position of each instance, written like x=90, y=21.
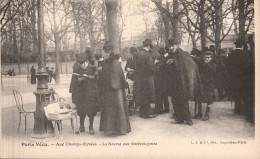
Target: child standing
x=84, y=91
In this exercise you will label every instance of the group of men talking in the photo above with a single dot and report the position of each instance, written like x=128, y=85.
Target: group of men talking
x=175, y=73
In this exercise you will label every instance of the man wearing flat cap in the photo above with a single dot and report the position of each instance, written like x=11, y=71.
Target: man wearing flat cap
x=185, y=82
x=144, y=79
x=237, y=67
x=84, y=91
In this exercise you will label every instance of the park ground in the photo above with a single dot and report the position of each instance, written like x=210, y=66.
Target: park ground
x=223, y=126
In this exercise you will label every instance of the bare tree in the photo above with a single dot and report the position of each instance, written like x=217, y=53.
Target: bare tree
x=58, y=29
x=112, y=9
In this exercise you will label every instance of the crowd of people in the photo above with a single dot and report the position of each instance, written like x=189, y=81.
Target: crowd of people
x=98, y=83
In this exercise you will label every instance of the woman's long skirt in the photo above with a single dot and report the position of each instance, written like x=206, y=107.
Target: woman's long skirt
x=114, y=112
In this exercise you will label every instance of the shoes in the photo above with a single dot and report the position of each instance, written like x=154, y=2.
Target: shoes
x=91, y=131
x=149, y=116
x=197, y=116
x=190, y=123
x=82, y=129
x=179, y=122
x=206, y=117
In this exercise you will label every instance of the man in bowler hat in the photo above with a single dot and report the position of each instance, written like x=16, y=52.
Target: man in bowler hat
x=237, y=67
x=144, y=79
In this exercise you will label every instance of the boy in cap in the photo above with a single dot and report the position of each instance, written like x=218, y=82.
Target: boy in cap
x=84, y=91
x=207, y=72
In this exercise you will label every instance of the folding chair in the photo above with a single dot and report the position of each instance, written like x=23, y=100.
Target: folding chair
x=19, y=103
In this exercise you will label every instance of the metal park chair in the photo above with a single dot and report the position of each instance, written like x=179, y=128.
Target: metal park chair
x=19, y=103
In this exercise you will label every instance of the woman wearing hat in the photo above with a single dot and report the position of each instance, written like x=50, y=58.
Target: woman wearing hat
x=84, y=91
x=114, y=112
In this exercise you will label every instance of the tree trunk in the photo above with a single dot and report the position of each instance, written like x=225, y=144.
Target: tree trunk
x=57, y=42
x=15, y=47
x=174, y=21
x=242, y=19
x=34, y=33
x=218, y=14
x=104, y=23
x=234, y=16
x=111, y=6
x=57, y=61
x=203, y=29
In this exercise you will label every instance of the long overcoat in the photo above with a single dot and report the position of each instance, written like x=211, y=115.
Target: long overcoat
x=186, y=83
x=114, y=112
x=144, y=78
x=85, y=92
x=207, y=73
x=237, y=66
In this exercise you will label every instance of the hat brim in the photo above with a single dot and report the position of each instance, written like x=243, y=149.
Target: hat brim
x=151, y=45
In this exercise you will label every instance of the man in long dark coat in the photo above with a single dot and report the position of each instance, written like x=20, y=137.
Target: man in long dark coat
x=185, y=82
x=144, y=79
x=237, y=66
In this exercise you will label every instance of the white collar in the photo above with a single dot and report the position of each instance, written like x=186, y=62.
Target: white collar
x=145, y=48
x=238, y=48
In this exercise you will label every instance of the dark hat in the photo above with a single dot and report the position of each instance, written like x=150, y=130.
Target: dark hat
x=239, y=41
x=173, y=42
x=133, y=49
x=221, y=51
x=208, y=53
x=148, y=42
x=81, y=58
x=212, y=47
x=205, y=49
x=194, y=51
x=107, y=46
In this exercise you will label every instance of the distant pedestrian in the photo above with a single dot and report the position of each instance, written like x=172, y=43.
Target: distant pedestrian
x=33, y=75
x=13, y=73
x=52, y=74
x=10, y=73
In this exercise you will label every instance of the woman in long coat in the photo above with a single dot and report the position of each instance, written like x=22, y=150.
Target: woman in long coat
x=114, y=112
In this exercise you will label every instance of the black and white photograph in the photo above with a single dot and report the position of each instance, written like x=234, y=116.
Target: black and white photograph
x=129, y=79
